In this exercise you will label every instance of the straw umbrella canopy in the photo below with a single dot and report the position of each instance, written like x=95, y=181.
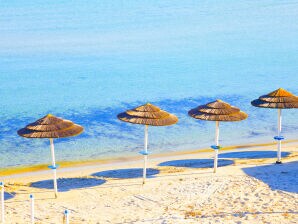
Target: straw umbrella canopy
x=147, y=114
x=278, y=99
x=217, y=111
x=51, y=127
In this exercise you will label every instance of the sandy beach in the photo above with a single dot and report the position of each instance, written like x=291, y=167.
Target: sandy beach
x=248, y=188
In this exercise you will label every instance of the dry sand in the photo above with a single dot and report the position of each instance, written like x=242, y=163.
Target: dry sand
x=248, y=188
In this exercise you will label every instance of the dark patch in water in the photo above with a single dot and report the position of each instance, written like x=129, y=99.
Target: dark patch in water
x=102, y=124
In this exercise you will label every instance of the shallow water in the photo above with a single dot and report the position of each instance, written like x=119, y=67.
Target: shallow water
x=88, y=62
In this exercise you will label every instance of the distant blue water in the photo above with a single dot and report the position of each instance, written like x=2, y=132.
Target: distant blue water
x=89, y=60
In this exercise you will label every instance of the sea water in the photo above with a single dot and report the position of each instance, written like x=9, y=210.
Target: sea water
x=87, y=61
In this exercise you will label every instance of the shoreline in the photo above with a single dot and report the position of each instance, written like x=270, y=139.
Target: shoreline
x=7, y=172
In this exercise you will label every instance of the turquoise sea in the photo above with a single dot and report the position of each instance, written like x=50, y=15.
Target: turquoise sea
x=87, y=61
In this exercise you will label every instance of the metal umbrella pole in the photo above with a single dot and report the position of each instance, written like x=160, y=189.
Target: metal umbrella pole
x=145, y=153
x=32, y=209
x=2, y=202
x=279, y=138
x=216, y=146
x=53, y=167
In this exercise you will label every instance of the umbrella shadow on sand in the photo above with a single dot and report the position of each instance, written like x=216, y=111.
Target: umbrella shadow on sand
x=197, y=163
x=67, y=184
x=8, y=196
x=127, y=173
x=252, y=155
x=278, y=176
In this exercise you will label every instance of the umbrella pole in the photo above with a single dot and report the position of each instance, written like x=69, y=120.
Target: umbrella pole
x=278, y=134
x=54, y=167
x=145, y=153
x=66, y=216
x=2, y=202
x=32, y=208
x=217, y=144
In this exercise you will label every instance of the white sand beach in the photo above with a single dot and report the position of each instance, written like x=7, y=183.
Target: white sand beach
x=248, y=188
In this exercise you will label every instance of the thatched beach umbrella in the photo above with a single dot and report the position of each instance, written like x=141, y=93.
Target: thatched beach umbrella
x=217, y=111
x=147, y=114
x=51, y=127
x=278, y=99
